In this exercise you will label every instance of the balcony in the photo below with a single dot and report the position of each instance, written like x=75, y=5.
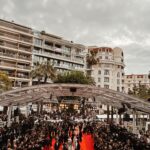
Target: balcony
x=79, y=54
x=25, y=40
x=19, y=77
x=56, y=56
x=67, y=67
x=24, y=67
x=11, y=36
x=25, y=49
x=9, y=45
x=49, y=47
x=15, y=56
x=9, y=65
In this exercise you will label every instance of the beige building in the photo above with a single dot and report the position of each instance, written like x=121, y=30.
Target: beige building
x=133, y=80
x=109, y=72
x=63, y=54
x=21, y=47
x=16, y=44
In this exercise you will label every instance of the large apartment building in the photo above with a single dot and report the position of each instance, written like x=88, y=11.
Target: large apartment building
x=16, y=44
x=133, y=80
x=109, y=71
x=22, y=47
x=64, y=55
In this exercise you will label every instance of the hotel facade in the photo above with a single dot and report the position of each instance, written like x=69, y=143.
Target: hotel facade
x=109, y=71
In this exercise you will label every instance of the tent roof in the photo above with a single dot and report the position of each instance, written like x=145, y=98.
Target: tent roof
x=37, y=93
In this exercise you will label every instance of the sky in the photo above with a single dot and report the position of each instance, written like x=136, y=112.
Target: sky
x=111, y=23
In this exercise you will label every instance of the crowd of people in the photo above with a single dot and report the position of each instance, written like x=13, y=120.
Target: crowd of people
x=38, y=132
x=114, y=137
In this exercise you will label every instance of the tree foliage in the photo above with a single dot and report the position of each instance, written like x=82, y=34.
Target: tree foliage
x=76, y=77
x=140, y=91
x=44, y=70
x=91, y=58
x=5, y=82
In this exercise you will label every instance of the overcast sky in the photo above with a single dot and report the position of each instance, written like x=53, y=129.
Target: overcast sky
x=113, y=23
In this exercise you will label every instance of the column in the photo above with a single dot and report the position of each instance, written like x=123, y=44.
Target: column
x=112, y=114
x=108, y=113
x=117, y=117
x=27, y=110
x=9, y=115
x=134, y=121
x=41, y=108
x=38, y=108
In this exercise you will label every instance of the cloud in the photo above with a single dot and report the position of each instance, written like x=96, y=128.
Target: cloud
x=123, y=23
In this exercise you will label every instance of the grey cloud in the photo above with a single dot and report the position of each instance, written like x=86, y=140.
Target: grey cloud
x=123, y=23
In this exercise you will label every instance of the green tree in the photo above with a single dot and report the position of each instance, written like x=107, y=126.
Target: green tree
x=37, y=72
x=5, y=82
x=140, y=91
x=44, y=70
x=76, y=77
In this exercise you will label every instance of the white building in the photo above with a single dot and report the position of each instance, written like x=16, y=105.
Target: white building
x=133, y=80
x=109, y=72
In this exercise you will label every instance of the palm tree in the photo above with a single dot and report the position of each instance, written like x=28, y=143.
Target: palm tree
x=91, y=58
x=37, y=72
x=44, y=70
x=5, y=82
x=48, y=71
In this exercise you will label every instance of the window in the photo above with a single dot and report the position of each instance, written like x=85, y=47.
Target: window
x=37, y=42
x=106, y=57
x=106, y=79
x=118, y=81
x=118, y=89
x=118, y=74
x=100, y=57
x=99, y=86
x=99, y=79
x=99, y=71
x=106, y=86
x=106, y=72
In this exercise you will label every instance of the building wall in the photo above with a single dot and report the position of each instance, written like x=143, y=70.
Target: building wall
x=109, y=72
x=16, y=52
x=135, y=80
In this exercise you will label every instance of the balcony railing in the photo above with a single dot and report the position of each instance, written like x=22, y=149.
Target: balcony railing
x=14, y=56
x=19, y=76
x=25, y=49
x=68, y=67
x=15, y=66
x=7, y=64
x=26, y=40
x=24, y=67
x=9, y=36
x=59, y=56
x=9, y=45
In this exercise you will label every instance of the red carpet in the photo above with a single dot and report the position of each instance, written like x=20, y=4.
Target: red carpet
x=87, y=142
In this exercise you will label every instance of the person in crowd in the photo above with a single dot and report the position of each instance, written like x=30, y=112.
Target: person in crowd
x=59, y=130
